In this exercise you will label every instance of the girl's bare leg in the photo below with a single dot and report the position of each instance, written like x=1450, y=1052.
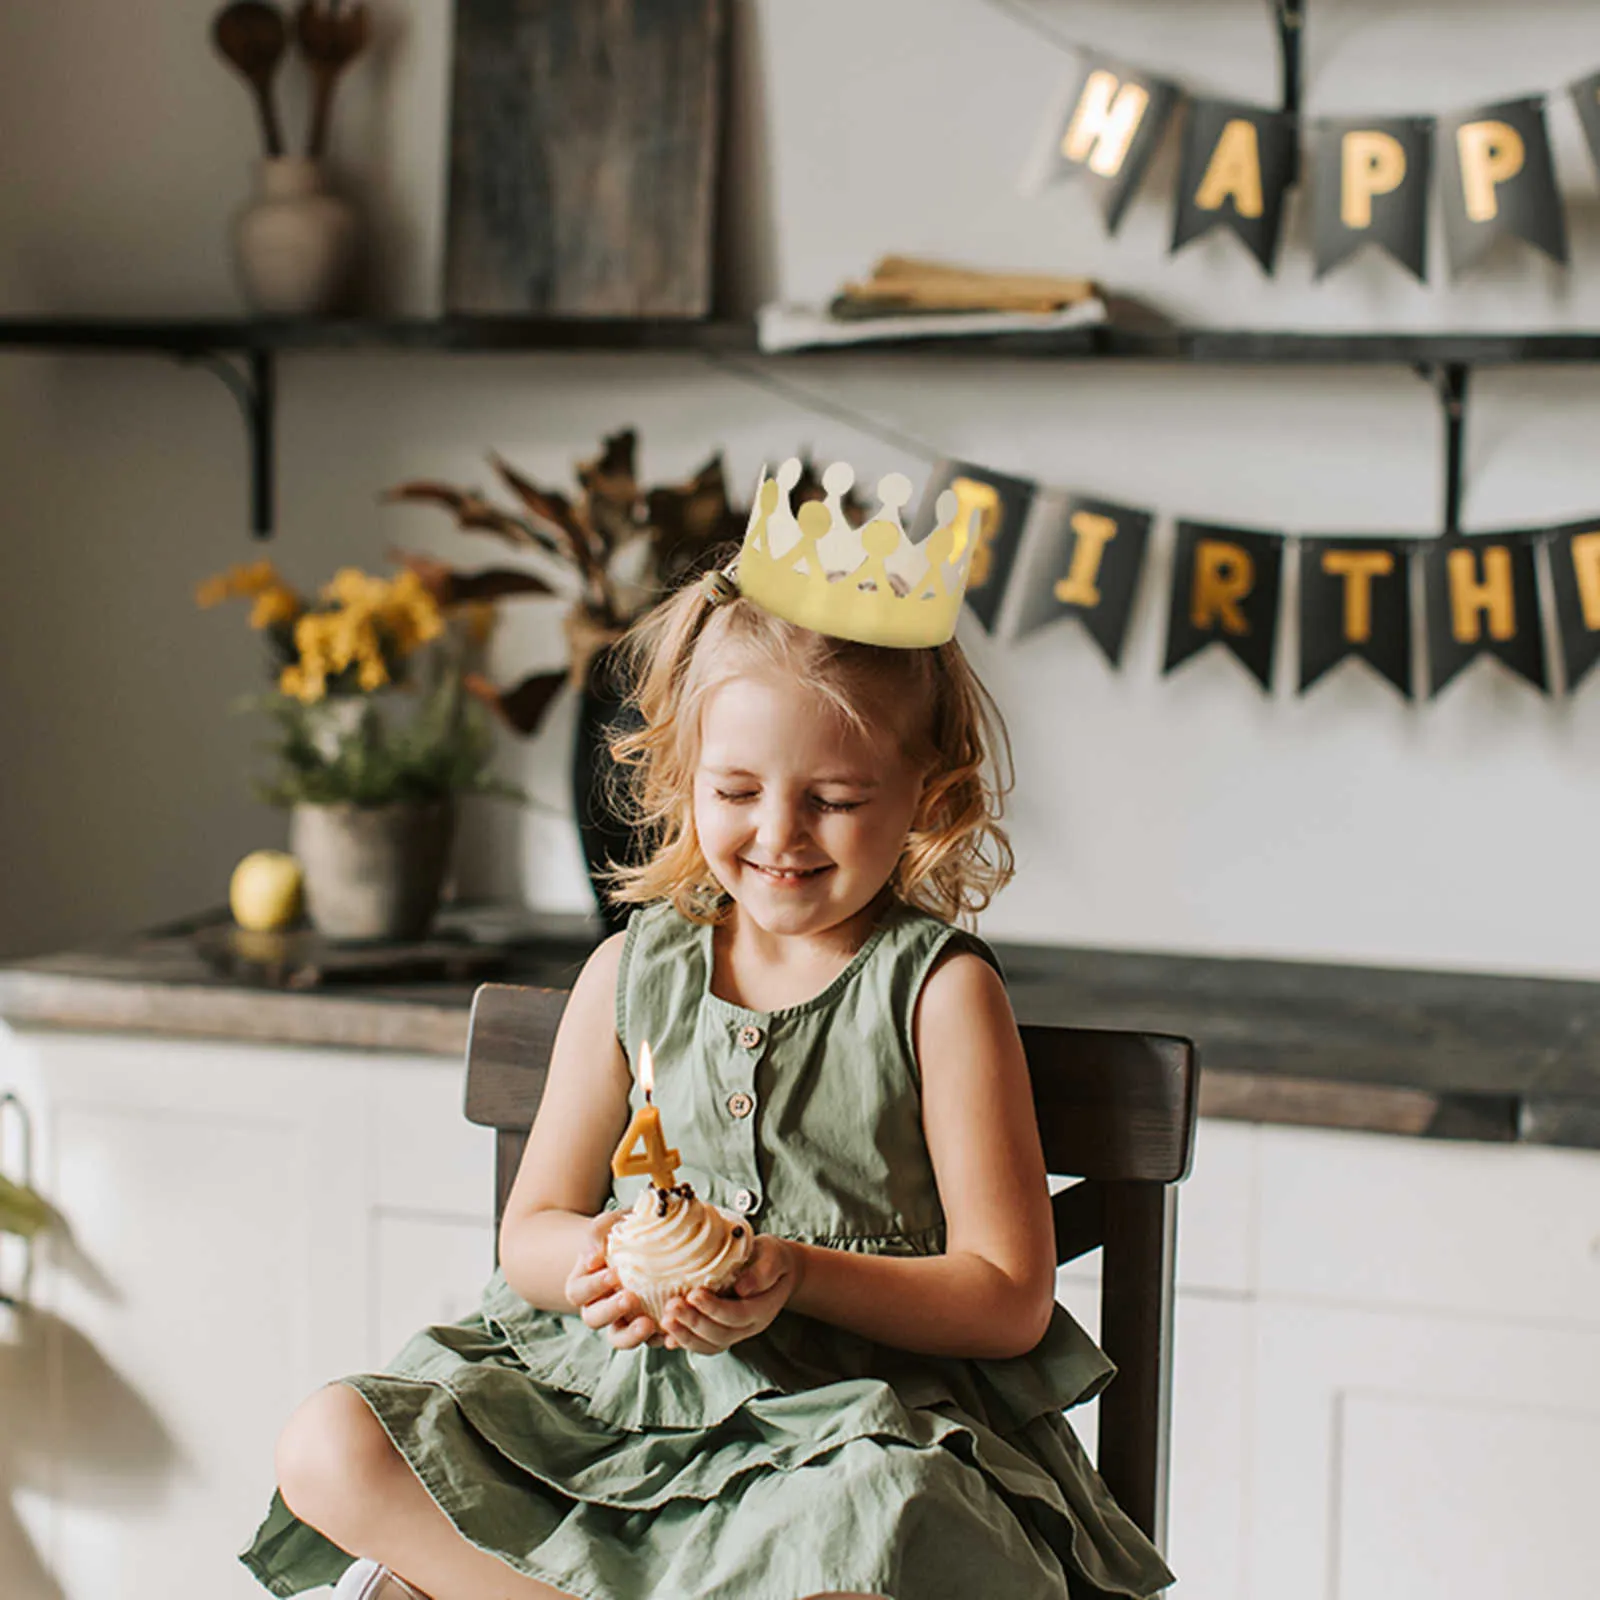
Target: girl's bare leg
x=338, y=1471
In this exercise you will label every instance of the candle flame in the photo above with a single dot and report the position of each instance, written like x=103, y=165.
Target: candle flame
x=647, y=1069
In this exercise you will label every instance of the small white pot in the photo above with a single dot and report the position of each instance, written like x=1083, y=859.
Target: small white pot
x=294, y=245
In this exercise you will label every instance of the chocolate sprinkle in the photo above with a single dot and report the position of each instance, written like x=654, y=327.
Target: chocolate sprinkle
x=738, y=1233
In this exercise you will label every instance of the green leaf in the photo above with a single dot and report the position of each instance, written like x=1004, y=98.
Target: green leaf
x=345, y=749
x=21, y=1210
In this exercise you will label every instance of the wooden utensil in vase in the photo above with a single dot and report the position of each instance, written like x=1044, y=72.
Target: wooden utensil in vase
x=330, y=37
x=253, y=36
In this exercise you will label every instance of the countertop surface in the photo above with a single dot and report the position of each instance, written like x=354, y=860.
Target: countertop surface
x=1442, y=1054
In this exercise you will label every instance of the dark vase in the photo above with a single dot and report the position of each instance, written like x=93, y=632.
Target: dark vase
x=609, y=839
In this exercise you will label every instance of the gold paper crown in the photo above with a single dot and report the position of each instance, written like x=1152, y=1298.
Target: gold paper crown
x=869, y=584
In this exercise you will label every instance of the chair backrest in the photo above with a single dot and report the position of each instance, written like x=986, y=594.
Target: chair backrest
x=1116, y=1111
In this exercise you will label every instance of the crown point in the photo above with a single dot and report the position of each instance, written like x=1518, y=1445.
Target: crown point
x=880, y=538
x=839, y=479
x=894, y=489
x=814, y=519
x=789, y=474
x=945, y=508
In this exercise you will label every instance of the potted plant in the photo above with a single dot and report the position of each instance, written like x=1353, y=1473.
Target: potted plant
x=613, y=549
x=376, y=737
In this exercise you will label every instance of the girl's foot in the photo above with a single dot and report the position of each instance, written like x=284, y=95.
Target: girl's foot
x=367, y=1580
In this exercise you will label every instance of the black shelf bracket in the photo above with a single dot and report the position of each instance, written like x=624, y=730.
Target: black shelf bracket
x=254, y=384
x=1449, y=380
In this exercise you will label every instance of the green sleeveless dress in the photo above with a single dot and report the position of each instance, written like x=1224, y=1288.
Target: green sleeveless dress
x=805, y=1460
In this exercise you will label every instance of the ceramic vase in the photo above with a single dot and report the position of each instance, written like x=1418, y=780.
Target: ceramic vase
x=373, y=872
x=294, y=244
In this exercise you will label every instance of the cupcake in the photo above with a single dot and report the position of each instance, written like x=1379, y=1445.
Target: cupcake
x=671, y=1243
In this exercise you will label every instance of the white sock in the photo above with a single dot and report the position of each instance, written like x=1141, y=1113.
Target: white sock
x=370, y=1580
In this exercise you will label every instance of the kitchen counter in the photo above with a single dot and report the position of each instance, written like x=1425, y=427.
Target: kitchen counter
x=1445, y=1055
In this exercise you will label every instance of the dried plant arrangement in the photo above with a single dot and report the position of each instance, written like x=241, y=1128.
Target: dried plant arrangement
x=615, y=546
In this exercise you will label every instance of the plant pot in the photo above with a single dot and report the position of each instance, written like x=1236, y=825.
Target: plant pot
x=373, y=872
x=294, y=245
x=607, y=836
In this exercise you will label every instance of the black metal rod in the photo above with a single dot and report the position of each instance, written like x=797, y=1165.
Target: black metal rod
x=1453, y=396
x=1291, y=29
x=262, y=416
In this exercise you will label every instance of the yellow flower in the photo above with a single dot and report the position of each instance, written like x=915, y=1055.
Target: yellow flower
x=410, y=613
x=274, y=605
x=306, y=687
x=368, y=614
x=311, y=640
x=212, y=591
x=350, y=586
x=242, y=582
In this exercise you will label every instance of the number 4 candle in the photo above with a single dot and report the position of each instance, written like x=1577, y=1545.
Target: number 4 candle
x=645, y=1130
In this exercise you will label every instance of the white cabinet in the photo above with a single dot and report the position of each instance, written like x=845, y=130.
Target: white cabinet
x=1426, y=1406
x=1387, y=1373
x=1402, y=1456
x=246, y=1223
x=1388, y=1351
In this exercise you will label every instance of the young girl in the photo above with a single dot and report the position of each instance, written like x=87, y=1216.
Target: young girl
x=875, y=1409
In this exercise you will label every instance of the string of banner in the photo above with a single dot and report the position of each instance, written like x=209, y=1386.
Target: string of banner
x=1054, y=553
x=1369, y=176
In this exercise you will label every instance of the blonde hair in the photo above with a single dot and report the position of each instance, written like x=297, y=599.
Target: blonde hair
x=956, y=855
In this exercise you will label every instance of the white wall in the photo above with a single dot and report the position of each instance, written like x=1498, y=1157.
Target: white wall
x=1189, y=813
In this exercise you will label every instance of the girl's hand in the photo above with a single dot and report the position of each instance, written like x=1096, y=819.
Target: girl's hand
x=594, y=1293
x=705, y=1323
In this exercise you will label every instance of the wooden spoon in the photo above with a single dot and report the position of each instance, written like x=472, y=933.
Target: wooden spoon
x=330, y=38
x=253, y=36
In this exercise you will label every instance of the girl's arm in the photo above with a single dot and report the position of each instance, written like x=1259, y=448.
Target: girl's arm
x=565, y=1174
x=992, y=1292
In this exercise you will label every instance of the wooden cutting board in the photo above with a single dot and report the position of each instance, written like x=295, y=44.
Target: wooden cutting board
x=583, y=154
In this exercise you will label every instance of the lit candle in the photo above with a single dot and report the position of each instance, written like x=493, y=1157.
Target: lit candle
x=645, y=1130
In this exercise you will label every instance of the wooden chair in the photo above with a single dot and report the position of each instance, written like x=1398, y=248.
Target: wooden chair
x=1116, y=1111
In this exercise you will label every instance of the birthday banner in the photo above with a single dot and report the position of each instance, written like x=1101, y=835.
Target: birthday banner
x=1045, y=553
x=1369, y=177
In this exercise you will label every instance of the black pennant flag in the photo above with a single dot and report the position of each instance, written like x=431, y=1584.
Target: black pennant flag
x=1003, y=504
x=1369, y=184
x=1087, y=566
x=1225, y=586
x=1496, y=178
x=1586, y=96
x=1355, y=600
x=1236, y=165
x=1482, y=599
x=1111, y=130
x=1575, y=577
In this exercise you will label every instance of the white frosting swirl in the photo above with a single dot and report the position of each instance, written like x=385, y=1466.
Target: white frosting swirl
x=659, y=1253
